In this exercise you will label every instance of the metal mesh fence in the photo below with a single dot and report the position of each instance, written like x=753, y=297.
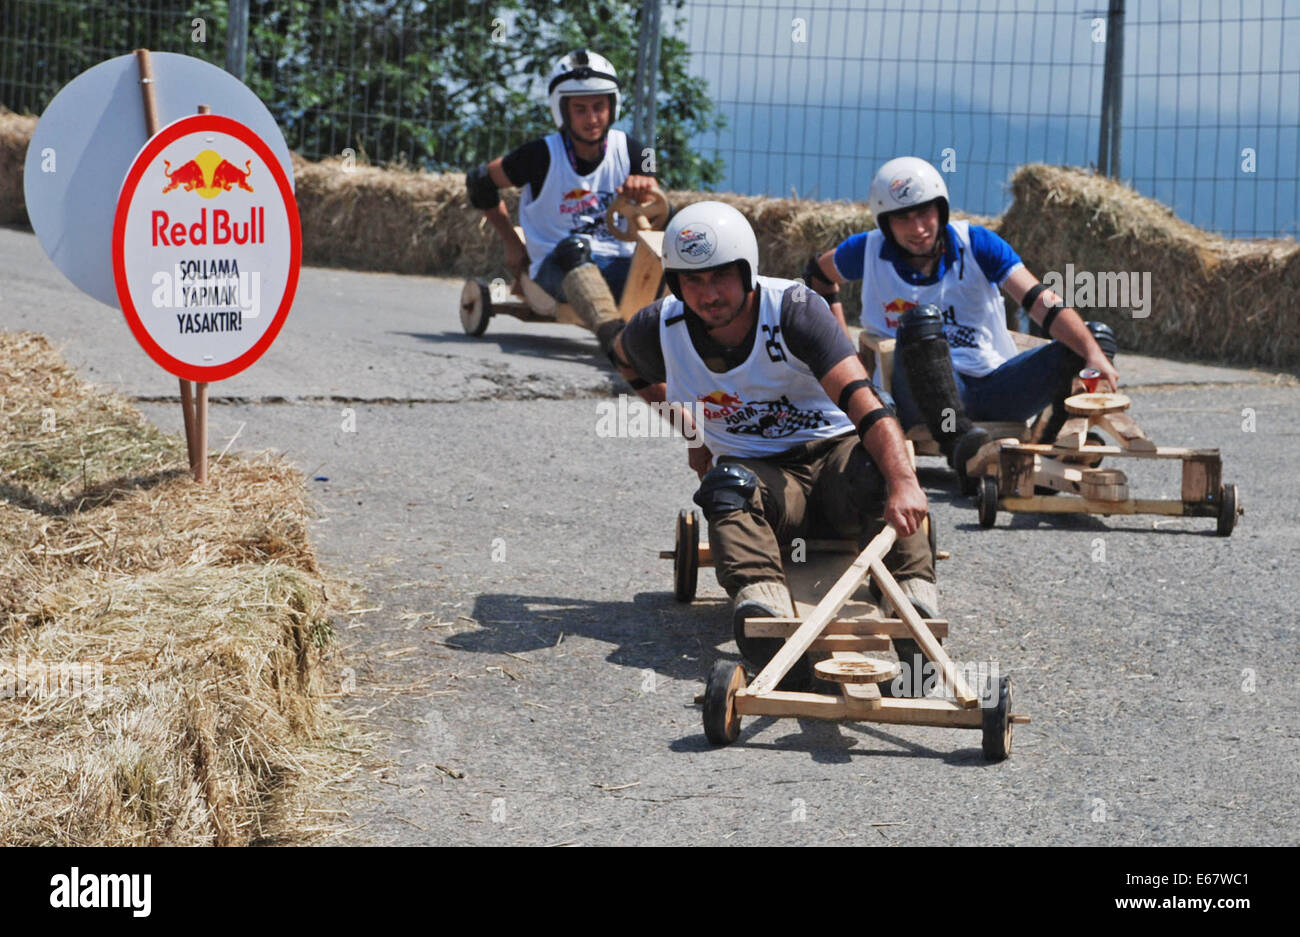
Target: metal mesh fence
x=819, y=93
x=816, y=93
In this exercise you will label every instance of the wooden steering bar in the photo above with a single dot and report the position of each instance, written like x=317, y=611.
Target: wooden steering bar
x=649, y=216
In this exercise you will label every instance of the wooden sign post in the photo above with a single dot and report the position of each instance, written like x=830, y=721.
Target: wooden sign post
x=206, y=251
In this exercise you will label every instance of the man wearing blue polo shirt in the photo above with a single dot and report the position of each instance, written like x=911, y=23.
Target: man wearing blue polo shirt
x=933, y=284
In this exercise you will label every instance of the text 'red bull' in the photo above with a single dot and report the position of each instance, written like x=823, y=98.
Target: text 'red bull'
x=224, y=231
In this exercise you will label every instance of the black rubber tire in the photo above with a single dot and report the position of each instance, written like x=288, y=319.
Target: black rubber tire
x=721, y=721
x=997, y=720
x=1227, y=510
x=686, y=558
x=475, y=309
x=986, y=503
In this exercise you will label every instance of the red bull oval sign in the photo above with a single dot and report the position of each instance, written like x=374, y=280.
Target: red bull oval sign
x=206, y=247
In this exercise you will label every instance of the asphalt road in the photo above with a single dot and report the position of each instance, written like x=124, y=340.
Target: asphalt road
x=535, y=677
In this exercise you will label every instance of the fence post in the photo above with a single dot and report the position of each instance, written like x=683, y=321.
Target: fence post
x=647, y=73
x=236, y=37
x=1112, y=89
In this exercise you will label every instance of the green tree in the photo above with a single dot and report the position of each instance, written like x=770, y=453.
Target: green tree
x=439, y=85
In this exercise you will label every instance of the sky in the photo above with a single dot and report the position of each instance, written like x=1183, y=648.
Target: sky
x=819, y=93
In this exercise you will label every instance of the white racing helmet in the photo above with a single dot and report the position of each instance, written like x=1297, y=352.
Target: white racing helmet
x=578, y=73
x=705, y=236
x=903, y=183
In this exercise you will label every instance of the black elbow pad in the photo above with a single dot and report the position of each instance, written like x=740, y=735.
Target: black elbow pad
x=482, y=190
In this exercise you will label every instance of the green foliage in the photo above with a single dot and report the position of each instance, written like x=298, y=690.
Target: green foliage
x=438, y=85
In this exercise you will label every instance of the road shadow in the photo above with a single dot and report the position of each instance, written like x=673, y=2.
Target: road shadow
x=828, y=742
x=652, y=631
x=581, y=349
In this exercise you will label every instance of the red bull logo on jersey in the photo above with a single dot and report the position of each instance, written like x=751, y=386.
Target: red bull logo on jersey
x=208, y=174
x=894, y=310
x=579, y=200
x=718, y=404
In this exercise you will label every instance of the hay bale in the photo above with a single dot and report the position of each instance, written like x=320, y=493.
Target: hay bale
x=15, y=133
x=174, y=639
x=1213, y=299
x=366, y=218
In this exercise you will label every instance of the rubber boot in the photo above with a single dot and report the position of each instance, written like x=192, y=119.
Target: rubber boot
x=923, y=351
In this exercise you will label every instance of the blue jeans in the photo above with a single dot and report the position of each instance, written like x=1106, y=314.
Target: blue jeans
x=614, y=269
x=1021, y=388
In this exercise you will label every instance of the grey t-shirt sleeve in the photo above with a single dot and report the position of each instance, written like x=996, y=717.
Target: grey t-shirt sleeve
x=811, y=330
x=641, y=344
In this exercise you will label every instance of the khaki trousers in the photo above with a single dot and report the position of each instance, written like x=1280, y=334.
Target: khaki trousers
x=827, y=489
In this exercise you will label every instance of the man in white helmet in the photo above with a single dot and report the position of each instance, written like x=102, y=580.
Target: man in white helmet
x=568, y=180
x=794, y=436
x=934, y=285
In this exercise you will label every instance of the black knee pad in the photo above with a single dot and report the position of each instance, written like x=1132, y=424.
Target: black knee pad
x=725, y=488
x=572, y=252
x=921, y=323
x=1105, y=337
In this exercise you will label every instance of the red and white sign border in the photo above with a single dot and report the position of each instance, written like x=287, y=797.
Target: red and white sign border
x=203, y=123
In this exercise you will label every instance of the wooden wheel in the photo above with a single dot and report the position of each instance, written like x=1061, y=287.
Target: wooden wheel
x=1096, y=404
x=986, y=502
x=997, y=719
x=475, y=307
x=686, y=556
x=721, y=721
x=654, y=211
x=1227, y=510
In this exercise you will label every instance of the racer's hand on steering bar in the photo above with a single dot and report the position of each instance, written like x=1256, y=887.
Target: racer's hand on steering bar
x=637, y=188
x=905, y=508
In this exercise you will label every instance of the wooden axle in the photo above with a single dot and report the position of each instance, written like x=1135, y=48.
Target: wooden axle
x=810, y=546
x=887, y=627
x=1159, y=452
x=926, y=711
x=1040, y=504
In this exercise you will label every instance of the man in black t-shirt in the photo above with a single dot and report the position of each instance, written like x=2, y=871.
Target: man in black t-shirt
x=569, y=179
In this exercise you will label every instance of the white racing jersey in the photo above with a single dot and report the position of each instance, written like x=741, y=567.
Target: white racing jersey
x=766, y=405
x=973, y=313
x=572, y=204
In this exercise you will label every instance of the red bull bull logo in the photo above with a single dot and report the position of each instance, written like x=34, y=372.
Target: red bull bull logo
x=719, y=403
x=579, y=200
x=895, y=309
x=208, y=174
